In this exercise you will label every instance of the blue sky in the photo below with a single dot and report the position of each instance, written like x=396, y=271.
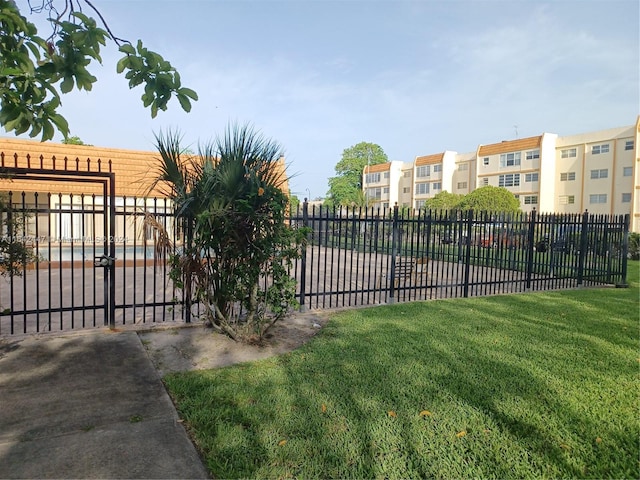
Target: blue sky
x=416, y=77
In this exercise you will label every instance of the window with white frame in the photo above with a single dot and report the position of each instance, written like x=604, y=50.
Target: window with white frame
x=437, y=168
x=485, y=161
x=627, y=171
x=532, y=154
x=462, y=185
x=420, y=203
x=626, y=198
x=374, y=193
x=509, y=180
x=599, y=173
x=406, y=174
x=422, y=188
x=463, y=166
x=597, y=198
x=385, y=205
x=385, y=190
x=531, y=177
x=567, y=176
x=373, y=177
x=436, y=186
x=406, y=190
x=628, y=145
x=510, y=159
x=423, y=171
x=597, y=149
x=485, y=181
x=530, y=199
x=567, y=199
x=569, y=153
x=386, y=175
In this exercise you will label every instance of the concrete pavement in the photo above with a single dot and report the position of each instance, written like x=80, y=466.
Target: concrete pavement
x=88, y=405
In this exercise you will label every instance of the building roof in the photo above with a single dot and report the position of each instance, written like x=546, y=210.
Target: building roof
x=510, y=146
x=135, y=170
x=429, y=159
x=380, y=167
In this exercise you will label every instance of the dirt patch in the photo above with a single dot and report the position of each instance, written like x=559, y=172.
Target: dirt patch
x=197, y=347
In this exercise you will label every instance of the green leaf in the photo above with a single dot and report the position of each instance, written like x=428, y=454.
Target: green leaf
x=189, y=93
x=185, y=103
x=128, y=49
x=122, y=64
x=67, y=85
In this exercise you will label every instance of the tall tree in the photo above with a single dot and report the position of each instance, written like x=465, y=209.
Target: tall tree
x=34, y=71
x=490, y=199
x=346, y=187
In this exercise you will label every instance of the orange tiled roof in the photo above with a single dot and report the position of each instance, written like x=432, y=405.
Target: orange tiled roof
x=380, y=167
x=134, y=170
x=510, y=146
x=429, y=159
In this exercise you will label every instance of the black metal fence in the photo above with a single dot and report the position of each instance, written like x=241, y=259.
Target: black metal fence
x=366, y=256
x=353, y=257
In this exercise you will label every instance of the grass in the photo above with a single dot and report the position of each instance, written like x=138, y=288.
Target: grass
x=517, y=386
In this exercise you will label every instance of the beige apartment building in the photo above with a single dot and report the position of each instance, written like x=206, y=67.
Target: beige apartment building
x=597, y=171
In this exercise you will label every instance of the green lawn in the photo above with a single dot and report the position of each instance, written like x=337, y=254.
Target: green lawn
x=517, y=386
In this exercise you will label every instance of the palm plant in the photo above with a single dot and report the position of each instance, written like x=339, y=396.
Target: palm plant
x=237, y=246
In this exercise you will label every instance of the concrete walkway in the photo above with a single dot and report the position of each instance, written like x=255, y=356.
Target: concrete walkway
x=88, y=405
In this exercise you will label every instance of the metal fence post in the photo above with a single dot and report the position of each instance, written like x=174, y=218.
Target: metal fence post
x=530, y=245
x=583, y=246
x=467, y=256
x=394, y=251
x=625, y=252
x=303, y=259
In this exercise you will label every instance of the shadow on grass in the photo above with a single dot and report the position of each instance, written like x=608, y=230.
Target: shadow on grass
x=513, y=387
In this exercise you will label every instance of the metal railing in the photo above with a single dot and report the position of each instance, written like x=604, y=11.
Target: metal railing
x=353, y=257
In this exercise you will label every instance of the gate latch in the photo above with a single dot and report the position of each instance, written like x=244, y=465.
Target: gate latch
x=103, y=261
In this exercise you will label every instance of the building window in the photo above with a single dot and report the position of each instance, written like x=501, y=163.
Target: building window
x=627, y=171
x=423, y=171
x=569, y=153
x=437, y=186
x=598, y=198
x=373, y=177
x=532, y=154
x=530, y=199
x=599, y=173
x=567, y=199
x=509, y=180
x=420, y=203
x=485, y=181
x=385, y=190
x=568, y=176
x=386, y=174
x=462, y=185
x=485, y=161
x=626, y=198
x=407, y=174
x=374, y=193
x=510, y=159
x=437, y=168
x=531, y=177
x=628, y=145
x=385, y=205
x=422, y=188
x=406, y=190
x=462, y=167
x=597, y=149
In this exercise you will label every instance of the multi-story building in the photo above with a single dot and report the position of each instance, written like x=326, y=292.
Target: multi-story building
x=597, y=171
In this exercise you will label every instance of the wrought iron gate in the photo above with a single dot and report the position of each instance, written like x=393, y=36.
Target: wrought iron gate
x=74, y=231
